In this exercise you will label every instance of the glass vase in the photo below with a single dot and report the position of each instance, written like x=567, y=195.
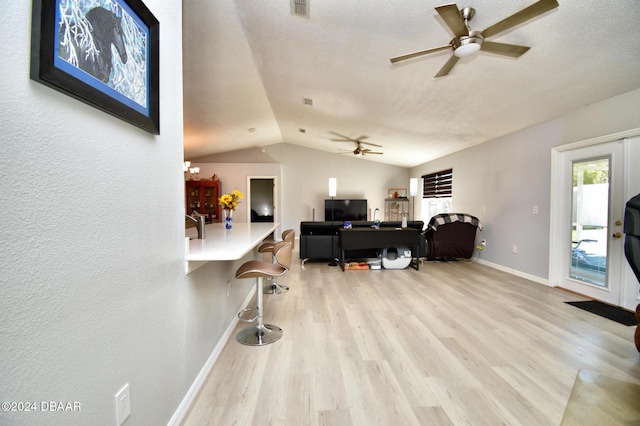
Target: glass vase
x=228, y=219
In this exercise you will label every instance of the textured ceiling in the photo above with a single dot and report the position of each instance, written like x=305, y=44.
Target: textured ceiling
x=249, y=65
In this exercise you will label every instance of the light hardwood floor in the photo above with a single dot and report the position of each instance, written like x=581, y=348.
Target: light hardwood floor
x=451, y=344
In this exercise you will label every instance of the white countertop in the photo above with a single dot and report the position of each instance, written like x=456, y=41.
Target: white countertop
x=221, y=244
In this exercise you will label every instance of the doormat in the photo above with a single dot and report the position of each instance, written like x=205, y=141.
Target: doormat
x=613, y=313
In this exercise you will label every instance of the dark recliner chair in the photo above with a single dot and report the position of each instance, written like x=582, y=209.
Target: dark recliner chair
x=451, y=236
x=632, y=246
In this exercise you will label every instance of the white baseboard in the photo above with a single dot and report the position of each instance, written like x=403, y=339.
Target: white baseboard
x=188, y=400
x=515, y=272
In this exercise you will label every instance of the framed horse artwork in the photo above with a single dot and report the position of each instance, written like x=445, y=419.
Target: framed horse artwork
x=102, y=52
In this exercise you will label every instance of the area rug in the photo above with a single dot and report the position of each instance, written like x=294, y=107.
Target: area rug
x=613, y=313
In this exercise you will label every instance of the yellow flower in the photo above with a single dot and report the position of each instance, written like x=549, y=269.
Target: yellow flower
x=230, y=201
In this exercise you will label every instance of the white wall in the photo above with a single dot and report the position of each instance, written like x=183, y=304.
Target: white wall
x=92, y=287
x=500, y=181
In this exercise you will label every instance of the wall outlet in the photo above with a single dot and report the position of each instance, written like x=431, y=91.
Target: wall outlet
x=514, y=249
x=535, y=209
x=123, y=405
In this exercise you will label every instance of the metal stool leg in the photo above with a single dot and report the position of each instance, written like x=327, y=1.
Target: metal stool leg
x=274, y=287
x=259, y=334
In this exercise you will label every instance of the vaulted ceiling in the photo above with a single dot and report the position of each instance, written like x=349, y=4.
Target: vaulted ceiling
x=256, y=74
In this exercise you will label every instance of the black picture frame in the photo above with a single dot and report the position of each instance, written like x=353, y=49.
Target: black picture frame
x=123, y=79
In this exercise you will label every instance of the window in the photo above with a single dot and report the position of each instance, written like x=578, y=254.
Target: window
x=436, y=194
x=437, y=185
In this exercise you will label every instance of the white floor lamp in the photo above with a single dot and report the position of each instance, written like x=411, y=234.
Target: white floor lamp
x=413, y=191
x=333, y=186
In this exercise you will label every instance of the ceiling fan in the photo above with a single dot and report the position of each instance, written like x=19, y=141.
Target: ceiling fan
x=359, y=151
x=468, y=42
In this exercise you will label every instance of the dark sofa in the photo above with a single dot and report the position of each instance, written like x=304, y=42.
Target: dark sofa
x=319, y=240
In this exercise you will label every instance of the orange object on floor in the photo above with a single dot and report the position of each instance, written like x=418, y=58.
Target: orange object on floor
x=356, y=266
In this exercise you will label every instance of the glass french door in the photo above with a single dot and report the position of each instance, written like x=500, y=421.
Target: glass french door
x=590, y=243
x=589, y=221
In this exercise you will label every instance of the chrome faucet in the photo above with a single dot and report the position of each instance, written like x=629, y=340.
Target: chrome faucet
x=199, y=221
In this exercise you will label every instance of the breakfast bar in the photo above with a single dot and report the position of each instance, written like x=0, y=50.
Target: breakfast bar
x=221, y=244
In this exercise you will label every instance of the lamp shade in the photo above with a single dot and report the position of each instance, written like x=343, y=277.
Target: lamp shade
x=413, y=187
x=333, y=186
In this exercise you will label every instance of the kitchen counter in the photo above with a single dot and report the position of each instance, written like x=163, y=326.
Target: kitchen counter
x=225, y=245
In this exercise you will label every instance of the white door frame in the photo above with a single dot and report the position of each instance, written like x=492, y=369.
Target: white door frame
x=558, y=253
x=276, y=202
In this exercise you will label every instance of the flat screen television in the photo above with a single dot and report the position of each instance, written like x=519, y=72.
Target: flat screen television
x=345, y=210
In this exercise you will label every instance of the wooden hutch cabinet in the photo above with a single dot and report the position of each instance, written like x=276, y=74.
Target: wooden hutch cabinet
x=202, y=196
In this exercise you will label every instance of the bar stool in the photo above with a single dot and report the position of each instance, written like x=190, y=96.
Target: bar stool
x=267, y=246
x=262, y=334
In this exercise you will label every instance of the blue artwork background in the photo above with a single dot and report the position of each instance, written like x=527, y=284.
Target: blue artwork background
x=128, y=82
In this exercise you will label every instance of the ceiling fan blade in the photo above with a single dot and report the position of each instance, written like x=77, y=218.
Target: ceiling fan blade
x=447, y=66
x=525, y=14
x=366, y=151
x=372, y=144
x=420, y=53
x=344, y=138
x=348, y=139
x=358, y=141
x=512, y=50
x=450, y=14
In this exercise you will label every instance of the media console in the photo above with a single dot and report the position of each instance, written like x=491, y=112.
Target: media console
x=319, y=240
x=369, y=238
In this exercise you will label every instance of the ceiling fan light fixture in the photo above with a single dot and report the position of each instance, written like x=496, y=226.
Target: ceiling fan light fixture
x=467, y=45
x=466, y=50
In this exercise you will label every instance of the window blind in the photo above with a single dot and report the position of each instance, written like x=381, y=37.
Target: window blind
x=437, y=185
